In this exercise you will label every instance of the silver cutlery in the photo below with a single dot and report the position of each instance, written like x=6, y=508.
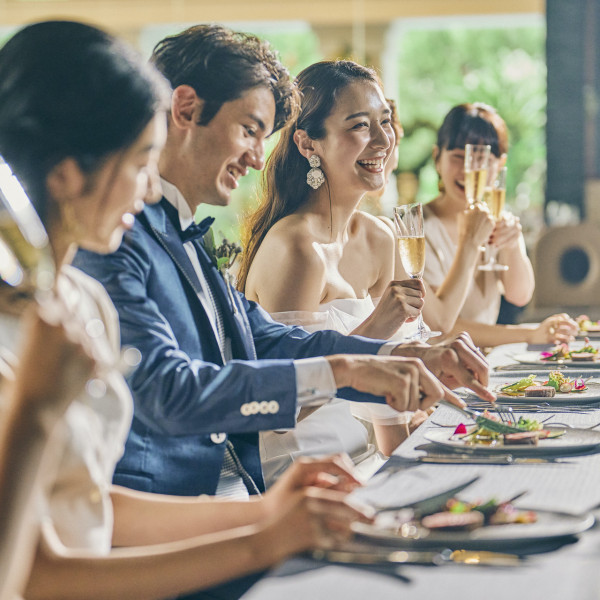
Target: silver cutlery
x=503, y=427
x=403, y=557
x=476, y=459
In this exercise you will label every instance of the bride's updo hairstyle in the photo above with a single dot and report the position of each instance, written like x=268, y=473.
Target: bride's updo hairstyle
x=69, y=90
x=475, y=123
x=284, y=187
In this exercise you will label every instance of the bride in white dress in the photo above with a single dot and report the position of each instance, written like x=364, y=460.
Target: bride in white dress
x=313, y=259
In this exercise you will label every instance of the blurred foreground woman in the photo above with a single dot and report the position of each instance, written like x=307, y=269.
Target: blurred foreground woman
x=82, y=123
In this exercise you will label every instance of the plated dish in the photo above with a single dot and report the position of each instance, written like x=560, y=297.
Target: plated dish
x=548, y=525
x=535, y=358
x=555, y=388
x=560, y=441
x=586, y=356
x=587, y=327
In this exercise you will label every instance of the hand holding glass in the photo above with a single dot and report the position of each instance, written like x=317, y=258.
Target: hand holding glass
x=411, y=244
x=27, y=268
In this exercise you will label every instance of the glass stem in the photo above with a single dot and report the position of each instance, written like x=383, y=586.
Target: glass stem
x=420, y=325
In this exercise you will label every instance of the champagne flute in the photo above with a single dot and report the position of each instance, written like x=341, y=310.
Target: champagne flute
x=411, y=243
x=27, y=268
x=477, y=157
x=26, y=265
x=495, y=198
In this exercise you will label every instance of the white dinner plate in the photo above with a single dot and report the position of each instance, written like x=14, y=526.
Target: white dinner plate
x=573, y=440
x=591, y=335
x=592, y=394
x=533, y=358
x=549, y=525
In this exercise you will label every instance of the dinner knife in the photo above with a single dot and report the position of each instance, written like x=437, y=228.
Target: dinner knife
x=379, y=557
x=473, y=459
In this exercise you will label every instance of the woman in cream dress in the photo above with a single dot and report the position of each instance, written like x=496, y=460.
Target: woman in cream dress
x=460, y=297
x=87, y=156
x=313, y=259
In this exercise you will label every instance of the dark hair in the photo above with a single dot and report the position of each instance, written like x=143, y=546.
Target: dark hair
x=395, y=120
x=284, y=187
x=69, y=90
x=475, y=123
x=221, y=65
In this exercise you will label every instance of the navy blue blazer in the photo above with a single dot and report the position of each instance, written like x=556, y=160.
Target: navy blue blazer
x=185, y=399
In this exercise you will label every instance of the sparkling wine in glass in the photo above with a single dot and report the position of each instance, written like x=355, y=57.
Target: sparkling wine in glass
x=477, y=157
x=495, y=198
x=411, y=244
x=27, y=268
x=26, y=263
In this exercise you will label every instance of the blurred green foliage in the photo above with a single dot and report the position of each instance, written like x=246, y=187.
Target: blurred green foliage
x=505, y=68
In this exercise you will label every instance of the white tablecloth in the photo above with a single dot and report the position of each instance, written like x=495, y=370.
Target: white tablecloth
x=571, y=572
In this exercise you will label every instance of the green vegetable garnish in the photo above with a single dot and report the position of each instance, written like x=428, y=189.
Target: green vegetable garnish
x=519, y=386
x=528, y=424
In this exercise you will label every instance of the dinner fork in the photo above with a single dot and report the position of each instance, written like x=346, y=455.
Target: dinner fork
x=506, y=414
x=482, y=421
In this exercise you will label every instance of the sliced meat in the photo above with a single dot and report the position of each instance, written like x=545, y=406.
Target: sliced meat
x=540, y=391
x=449, y=520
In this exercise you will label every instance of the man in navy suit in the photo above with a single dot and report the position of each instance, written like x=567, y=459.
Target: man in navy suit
x=215, y=368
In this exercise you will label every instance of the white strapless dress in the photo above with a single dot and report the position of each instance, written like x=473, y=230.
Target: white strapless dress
x=331, y=428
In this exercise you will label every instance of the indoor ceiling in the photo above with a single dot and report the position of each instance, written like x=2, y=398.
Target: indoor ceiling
x=133, y=14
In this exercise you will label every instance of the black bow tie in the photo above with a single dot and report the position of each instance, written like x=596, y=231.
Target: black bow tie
x=195, y=231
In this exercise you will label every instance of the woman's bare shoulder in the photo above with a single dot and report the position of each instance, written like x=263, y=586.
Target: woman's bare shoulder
x=291, y=234
x=288, y=272
x=378, y=230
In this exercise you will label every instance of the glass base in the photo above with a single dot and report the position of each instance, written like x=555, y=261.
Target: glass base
x=422, y=336
x=494, y=266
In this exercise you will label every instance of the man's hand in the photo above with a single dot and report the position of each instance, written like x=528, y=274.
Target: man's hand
x=404, y=382
x=456, y=363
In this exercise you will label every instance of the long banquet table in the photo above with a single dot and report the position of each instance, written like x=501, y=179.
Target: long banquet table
x=570, y=571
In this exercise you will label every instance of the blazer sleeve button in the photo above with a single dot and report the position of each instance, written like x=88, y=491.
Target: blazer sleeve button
x=273, y=407
x=245, y=409
x=217, y=438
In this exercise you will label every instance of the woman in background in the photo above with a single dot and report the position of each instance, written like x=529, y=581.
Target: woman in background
x=466, y=299
x=82, y=123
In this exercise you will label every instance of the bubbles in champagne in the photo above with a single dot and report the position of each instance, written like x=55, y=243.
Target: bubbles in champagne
x=412, y=255
x=475, y=182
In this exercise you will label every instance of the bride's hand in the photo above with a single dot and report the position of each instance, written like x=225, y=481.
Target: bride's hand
x=401, y=302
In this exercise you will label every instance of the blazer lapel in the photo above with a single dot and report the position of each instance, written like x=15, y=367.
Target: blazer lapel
x=155, y=219
x=157, y=223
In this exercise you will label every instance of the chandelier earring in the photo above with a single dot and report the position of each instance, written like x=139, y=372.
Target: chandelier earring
x=315, y=176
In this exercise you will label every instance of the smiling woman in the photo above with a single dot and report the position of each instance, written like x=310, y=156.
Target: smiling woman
x=307, y=242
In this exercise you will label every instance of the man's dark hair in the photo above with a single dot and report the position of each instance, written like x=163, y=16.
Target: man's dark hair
x=221, y=65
